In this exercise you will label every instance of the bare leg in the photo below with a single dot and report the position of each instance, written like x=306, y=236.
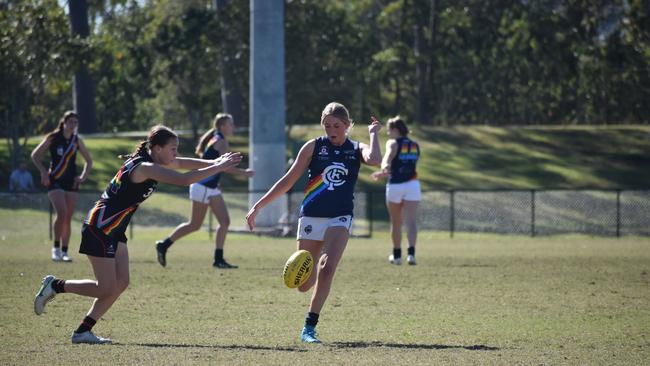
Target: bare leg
x=314, y=247
x=112, y=279
x=196, y=220
x=70, y=201
x=57, y=197
x=334, y=243
x=410, y=220
x=395, y=213
x=220, y=211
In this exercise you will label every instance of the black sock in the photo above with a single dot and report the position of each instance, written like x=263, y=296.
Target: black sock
x=57, y=286
x=57, y=244
x=311, y=319
x=87, y=324
x=411, y=251
x=397, y=253
x=218, y=255
x=166, y=243
x=64, y=249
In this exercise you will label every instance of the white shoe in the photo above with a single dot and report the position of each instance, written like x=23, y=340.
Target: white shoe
x=45, y=293
x=56, y=254
x=410, y=259
x=89, y=337
x=65, y=257
x=395, y=261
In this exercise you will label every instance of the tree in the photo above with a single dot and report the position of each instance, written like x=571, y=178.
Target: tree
x=36, y=54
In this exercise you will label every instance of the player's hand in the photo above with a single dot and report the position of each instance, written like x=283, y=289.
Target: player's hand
x=250, y=218
x=228, y=160
x=374, y=126
x=249, y=173
x=45, y=179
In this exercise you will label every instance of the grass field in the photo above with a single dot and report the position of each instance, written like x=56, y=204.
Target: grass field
x=470, y=300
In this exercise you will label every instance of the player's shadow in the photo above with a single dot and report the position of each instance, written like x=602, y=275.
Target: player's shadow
x=217, y=346
x=476, y=347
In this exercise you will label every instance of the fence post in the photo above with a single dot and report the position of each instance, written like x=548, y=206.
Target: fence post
x=532, y=213
x=50, y=227
x=452, y=213
x=210, y=225
x=369, y=208
x=618, y=213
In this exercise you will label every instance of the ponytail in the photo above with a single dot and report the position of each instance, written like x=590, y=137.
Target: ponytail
x=200, y=147
x=159, y=135
x=217, y=122
x=140, y=149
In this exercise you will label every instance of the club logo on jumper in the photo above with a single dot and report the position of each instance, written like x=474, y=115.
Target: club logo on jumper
x=343, y=219
x=307, y=229
x=334, y=175
x=59, y=150
x=323, y=151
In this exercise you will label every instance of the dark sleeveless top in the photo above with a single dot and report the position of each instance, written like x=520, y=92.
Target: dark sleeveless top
x=332, y=175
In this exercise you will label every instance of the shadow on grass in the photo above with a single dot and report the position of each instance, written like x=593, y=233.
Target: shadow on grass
x=476, y=347
x=216, y=346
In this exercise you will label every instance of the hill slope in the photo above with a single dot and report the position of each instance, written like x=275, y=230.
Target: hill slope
x=459, y=157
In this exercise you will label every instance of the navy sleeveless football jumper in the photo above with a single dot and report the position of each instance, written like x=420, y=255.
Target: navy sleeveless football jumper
x=332, y=175
x=402, y=167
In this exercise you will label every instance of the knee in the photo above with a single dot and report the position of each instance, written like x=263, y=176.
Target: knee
x=326, y=271
x=224, y=223
x=106, y=291
x=193, y=226
x=61, y=212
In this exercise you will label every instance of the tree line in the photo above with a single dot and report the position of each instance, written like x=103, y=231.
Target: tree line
x=435, y=62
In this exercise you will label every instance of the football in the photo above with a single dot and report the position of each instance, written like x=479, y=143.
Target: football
x=298, y=268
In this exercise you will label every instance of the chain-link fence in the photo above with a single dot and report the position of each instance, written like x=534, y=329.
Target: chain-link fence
x=537, y=212
x=523, y=212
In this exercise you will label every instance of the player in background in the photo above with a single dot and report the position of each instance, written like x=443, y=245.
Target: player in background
x=103, y=237
x=403, y=193
x=206, y=193
x=333, y=163
x=61, y=178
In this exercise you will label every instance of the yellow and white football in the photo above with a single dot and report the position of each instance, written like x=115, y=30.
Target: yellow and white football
x=298, y=268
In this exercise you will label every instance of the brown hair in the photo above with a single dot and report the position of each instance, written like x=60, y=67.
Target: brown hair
x=159, y=135
x=66, y=116
x=217, y=122
x=337, y=110
x=398, y=123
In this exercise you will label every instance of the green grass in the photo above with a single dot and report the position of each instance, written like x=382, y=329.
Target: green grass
x=458, y=157
x=474, y=299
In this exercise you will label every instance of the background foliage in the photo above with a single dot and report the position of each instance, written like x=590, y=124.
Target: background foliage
x=436, y=62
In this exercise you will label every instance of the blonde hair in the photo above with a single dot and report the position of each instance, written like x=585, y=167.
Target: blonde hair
x=337, y=110
x=217, y=123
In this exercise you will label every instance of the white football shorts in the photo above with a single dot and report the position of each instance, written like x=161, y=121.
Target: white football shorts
x=314, y=228
x=407, y=191
x=201, y=193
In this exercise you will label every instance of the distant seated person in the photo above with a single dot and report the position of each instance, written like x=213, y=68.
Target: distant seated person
x=21, y=179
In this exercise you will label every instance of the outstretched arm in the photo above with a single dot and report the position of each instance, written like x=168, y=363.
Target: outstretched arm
x=283, y=184
x=163, y=174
